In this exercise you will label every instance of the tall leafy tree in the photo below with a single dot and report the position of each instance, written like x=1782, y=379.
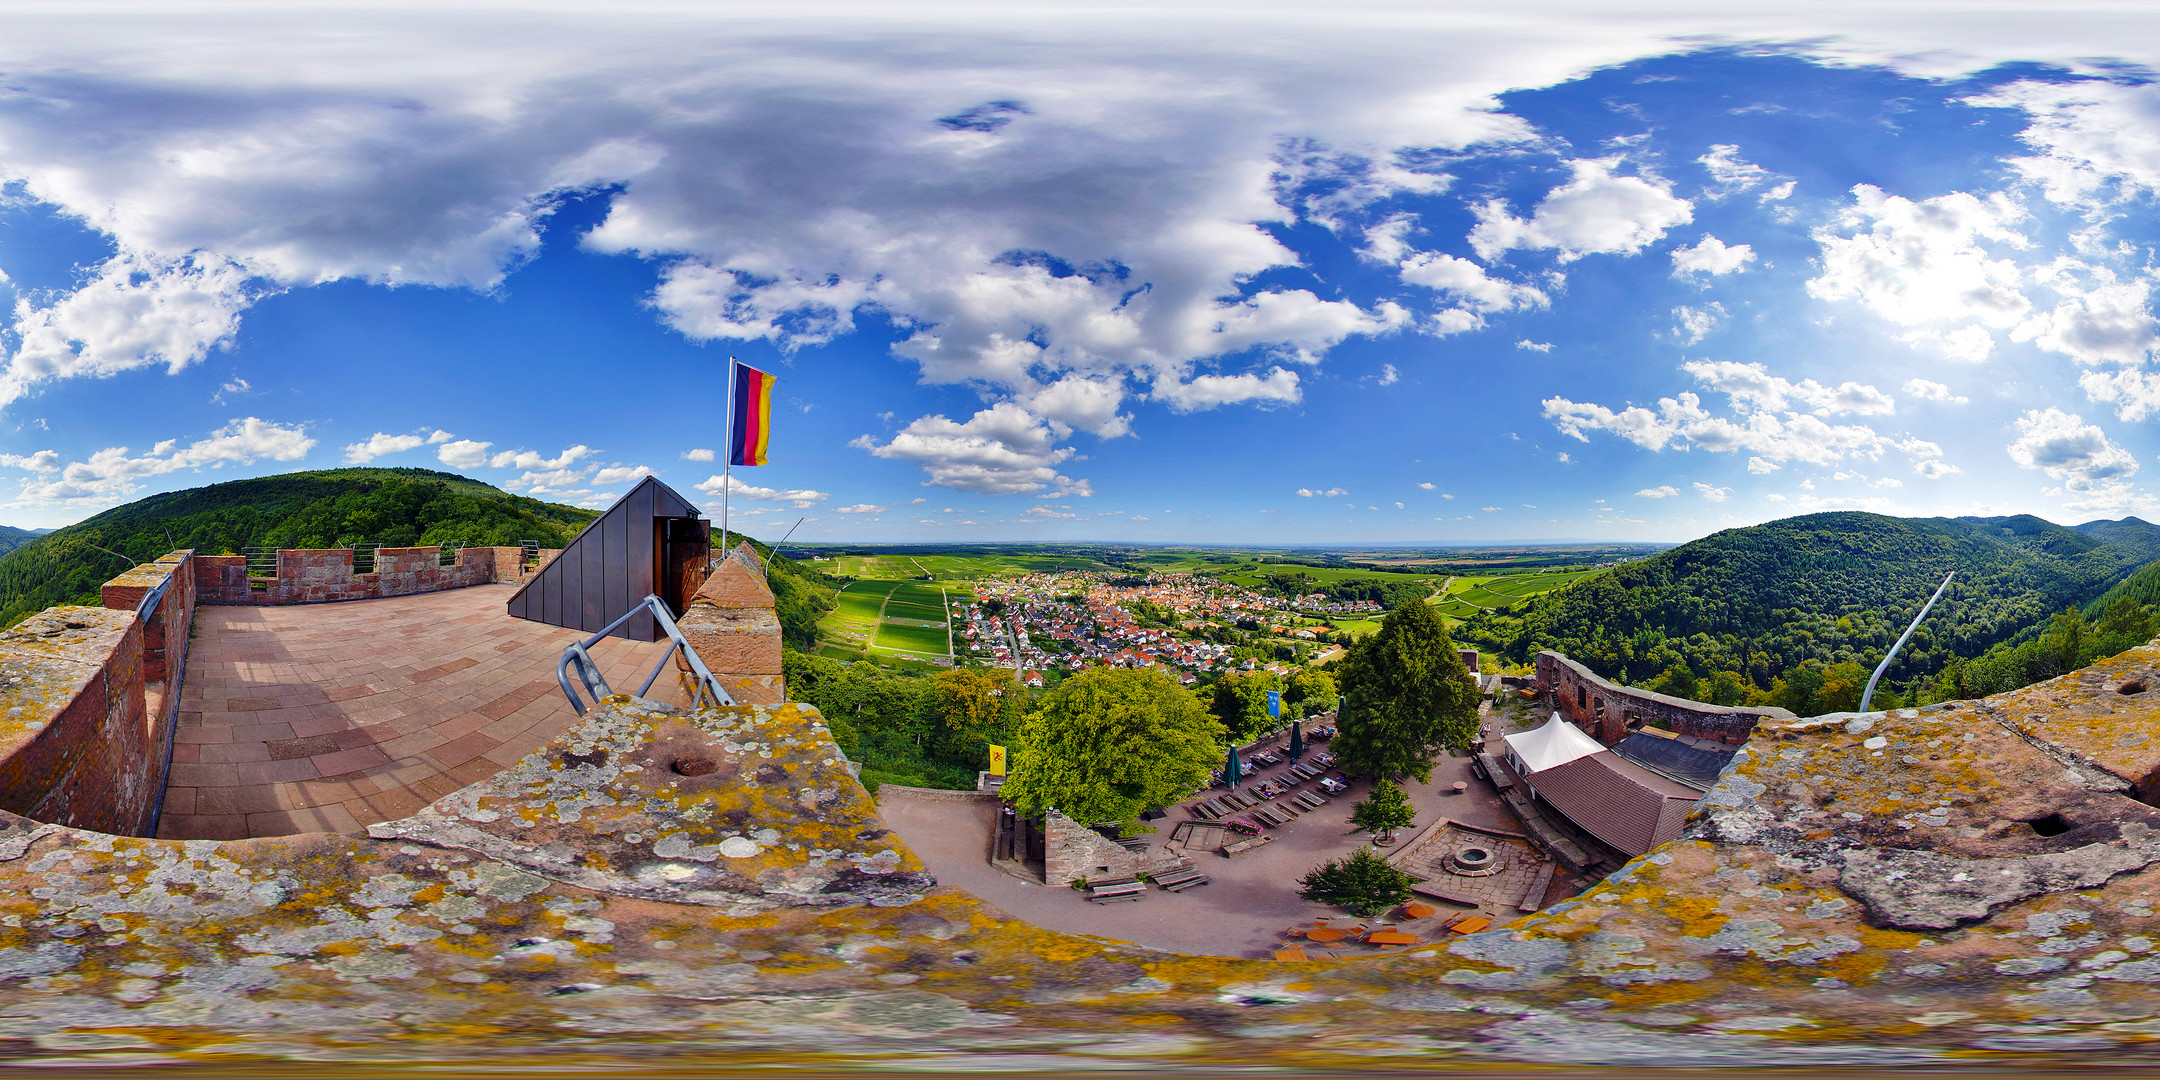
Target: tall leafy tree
x=1361, y=883
x=1239, y=703
x=1111, y=742
x=1406, y=696
x=1383, y=810
x=1312, y=690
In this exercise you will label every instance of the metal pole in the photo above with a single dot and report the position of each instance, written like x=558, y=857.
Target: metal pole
x=775, y=550
x=1869, y=693
x=727, y=471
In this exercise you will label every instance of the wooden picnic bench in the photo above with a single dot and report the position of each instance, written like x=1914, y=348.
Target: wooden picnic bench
x=1310, y=799
x=1210, y=808
x=1240, y=800
x=1180, y=880
x=1247, y=844
x=1303, y=771
x=1116, y=889
x=1272, y=816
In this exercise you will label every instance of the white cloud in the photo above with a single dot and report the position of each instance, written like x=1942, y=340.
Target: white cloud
x=1595, y=212
x=1922, y=264
x=44, y=461
x=379, y=444
x=861, y=508
x=1398, y=506
x=110, y=474
x=1691, y=325
x=140, y=310
x=1427, y=485
x=1752, y=386
x=463, y=454
x=528, y=459
x=1311, y=493
x=2135, y=394
x=1934, y=470
x=1729, y=173
x=1662, y=491
x=1714, y=494
x=1758, y=467
x=1534, y=346
x=1489, y=509
x=1001, y=450
x=1388, y=375
x=736, y=488
x=2093, y=137
x=1278, y=386
x=1711, y=256
x=2098, y=320
x=553, y=481
x=700, y=454
x=440, y=436
x=1466, y=285
x=238, y=387
x=620, y=474
x=1929, y=390
x=2067, y=448
x=1683, y=421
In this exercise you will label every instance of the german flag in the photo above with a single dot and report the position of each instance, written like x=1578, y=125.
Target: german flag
x=752, y=423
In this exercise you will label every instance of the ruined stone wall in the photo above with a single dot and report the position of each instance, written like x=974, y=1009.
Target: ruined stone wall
x=318, y=575
x=1608, y=712
x=1074, y=852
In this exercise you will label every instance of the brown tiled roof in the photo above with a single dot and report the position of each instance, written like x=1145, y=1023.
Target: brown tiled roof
x=1616, y=800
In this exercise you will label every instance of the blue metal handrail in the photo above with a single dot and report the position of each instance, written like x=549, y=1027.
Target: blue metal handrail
x=575, y=657
x=148, y=605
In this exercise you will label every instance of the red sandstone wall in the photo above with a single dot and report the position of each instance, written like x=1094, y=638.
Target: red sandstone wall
x=1607, y=712
x=76, y=748
x=319, y=575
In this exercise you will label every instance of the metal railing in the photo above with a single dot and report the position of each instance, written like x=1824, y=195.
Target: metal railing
x=363, y=557
x=447, y=554
x=261, y=561
x=576, y=658
x=148, y=605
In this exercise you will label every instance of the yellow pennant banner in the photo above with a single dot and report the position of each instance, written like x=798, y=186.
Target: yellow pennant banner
x=997, y=760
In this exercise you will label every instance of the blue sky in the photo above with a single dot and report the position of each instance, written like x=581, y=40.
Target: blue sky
x=1249, y=274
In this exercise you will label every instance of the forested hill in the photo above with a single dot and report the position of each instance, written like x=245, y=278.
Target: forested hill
x=329, y=508
x=1830, y=588
x=12, y=537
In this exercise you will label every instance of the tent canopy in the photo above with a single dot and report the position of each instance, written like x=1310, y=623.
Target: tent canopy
x=1555, y=744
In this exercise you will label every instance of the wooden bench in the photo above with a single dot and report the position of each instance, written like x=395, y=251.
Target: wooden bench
x=1121, y=889
x=1272, y=816
x=1303, y=771
x=1247, y=844
x=1310, y=799
x=1180, y=880
x=1240, y=800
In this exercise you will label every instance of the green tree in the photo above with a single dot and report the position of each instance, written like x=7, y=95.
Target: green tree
x=1798, y=690
x=1677, y=681
x=1406, y=696
x=1111, y=742
x=1362, y=883
x=1842, y=685
x=1383, y=810
x=1728, y=688
x=1239, y=703
x=1312, y=690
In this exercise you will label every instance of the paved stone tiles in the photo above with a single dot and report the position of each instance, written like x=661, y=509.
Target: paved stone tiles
x=330, y=717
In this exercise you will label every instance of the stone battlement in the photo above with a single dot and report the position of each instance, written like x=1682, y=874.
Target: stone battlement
x=319, y=575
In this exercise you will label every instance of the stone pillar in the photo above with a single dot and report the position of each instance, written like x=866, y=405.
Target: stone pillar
x=731, y=623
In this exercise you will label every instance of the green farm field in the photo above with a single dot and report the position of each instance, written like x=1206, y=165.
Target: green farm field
x=915, y=639
x=958, y=567
x=1468, y=594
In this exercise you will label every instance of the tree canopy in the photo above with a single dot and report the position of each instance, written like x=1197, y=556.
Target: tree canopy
x=1405, y=697
x=1757, y=604
x=1384, y=809
x=1239, y=703
x=1111, y=742
x=1361, y=883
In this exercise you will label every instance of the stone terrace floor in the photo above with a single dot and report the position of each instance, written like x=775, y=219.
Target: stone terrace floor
x=330, y=717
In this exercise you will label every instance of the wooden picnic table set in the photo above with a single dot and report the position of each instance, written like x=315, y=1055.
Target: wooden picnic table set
x=1175, y=879
x=1333, y=932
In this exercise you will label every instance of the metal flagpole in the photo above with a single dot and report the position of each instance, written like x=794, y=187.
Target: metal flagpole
x=727, y=472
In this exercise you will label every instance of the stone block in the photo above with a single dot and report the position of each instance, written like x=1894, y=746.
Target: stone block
x=74, y=734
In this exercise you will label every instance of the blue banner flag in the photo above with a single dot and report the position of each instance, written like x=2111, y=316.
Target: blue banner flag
x=1274, y=704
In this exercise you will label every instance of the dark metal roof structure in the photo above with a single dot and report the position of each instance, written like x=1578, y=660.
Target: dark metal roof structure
x=1676, y=759
x=637, y=547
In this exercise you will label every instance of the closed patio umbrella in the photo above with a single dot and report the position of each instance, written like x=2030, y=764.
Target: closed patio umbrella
x=1297, y=739
x=1233, y=770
